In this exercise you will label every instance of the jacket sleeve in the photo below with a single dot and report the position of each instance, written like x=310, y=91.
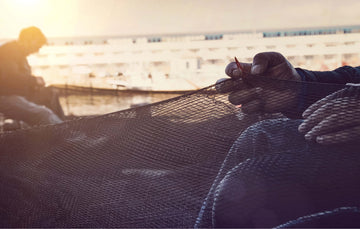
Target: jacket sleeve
x=14, y=80
x=342, y=75
x=316, y=85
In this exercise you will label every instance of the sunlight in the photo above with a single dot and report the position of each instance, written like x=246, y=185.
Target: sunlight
x=27, y=9
x=26, y=3
x=45, y=14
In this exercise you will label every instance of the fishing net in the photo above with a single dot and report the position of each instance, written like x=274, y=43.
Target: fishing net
x=191, y=161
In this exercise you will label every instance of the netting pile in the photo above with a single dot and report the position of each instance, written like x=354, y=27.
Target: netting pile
x=195, y=160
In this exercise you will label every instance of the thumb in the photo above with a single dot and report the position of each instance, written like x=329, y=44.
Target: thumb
x=257, y=69
x=265, y=60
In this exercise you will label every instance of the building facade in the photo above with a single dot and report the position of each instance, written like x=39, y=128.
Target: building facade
x=188, y=61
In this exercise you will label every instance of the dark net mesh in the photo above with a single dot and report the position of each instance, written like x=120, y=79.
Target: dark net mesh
x=195, y=160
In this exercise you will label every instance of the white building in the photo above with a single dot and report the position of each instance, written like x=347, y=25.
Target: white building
x=185, y=62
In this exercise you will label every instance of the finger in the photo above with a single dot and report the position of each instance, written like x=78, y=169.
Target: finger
x=313, y=120
x=310, y=110
x=278, y=100
x=233, y=71
x=225, y=85
x=331, y=107
x=253, y=106
x=320, y=103
x=344, y=136
x=245, y=96
x=328, y=125
x=265, y=60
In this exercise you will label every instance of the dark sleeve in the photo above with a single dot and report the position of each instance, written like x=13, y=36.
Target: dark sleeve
x=14, y=82
x=342, y=75
x=317, y=85
x=15, y=73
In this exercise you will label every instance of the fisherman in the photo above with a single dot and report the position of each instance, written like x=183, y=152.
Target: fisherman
x=22, y=95
x=300, y=170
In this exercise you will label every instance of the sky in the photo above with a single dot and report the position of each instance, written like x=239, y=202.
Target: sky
x=62, y=18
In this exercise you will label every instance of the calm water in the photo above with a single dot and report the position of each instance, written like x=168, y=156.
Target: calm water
x=89, y=104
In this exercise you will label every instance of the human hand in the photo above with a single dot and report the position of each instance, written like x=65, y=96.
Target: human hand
x=260, y=96
x=334, y=119
x=39, y=81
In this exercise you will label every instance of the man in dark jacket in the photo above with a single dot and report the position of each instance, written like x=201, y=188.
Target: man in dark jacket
x=22, y=95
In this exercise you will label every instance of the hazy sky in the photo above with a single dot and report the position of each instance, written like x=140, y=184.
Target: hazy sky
x=130, y=17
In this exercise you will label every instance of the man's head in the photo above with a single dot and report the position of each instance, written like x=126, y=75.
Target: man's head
x=32, y=39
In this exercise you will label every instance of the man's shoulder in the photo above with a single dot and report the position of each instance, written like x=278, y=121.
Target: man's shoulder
x=11, y=50
x=9, y=45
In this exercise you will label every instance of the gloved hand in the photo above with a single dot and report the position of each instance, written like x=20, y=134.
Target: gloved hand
x=260, y=96
x=334, y=119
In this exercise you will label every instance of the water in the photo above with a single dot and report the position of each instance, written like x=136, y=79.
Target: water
x=97, y=104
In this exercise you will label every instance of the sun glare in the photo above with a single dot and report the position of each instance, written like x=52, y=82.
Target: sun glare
x=26, y=3
x=28, y=13
x=28, y=7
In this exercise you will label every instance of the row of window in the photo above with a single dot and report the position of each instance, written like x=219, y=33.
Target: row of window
x=207, y=37
x=149, y=40
x=354, y=29
x=311, y=32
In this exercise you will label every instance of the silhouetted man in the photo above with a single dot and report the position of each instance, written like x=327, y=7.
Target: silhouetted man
x=22, y=95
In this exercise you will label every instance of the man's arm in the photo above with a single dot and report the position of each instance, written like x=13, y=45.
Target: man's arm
x=342, y=75
x=332, y=117
x=290, y=98
x=14, y=81
x=331, y=81
x=15, y=72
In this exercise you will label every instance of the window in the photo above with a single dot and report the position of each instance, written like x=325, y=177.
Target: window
x=214, y=37
x=329, y=56
x=270, y=46
x=154, y=39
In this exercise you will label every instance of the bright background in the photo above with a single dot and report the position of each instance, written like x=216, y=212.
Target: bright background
x=136, y=17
